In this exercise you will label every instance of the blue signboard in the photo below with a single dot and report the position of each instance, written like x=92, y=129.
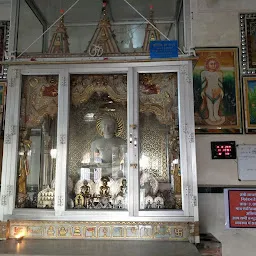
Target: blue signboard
x=163, y=49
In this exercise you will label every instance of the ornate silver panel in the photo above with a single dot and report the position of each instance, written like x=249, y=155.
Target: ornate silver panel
x=4, y=200
x=248, y=48
x=60, y=200
x=10, y=190
x=4, y=43
x=8, y=139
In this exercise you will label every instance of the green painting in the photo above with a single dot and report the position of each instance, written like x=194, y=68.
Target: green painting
x=250, y=104
x=2, y=93
x=216, y=91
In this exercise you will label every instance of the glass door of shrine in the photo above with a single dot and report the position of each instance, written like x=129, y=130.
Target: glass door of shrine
x=101, y=142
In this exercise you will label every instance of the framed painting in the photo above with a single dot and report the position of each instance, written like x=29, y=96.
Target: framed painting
x=217, y=91
x=249, y=91
x=4, y=30
x=2, y=104
x=248, y=42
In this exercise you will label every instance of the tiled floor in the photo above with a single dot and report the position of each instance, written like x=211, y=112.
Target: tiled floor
x=97, y=248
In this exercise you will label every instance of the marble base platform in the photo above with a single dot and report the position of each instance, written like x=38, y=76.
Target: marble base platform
x=96, y=248
x=169, y=231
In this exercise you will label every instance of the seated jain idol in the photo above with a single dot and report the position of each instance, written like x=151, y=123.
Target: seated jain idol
x=109, y=151
x=105, y=186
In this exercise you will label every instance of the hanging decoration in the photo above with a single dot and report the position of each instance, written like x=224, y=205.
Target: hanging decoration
x=59, y=42
x=151, y=34
x=103, y=40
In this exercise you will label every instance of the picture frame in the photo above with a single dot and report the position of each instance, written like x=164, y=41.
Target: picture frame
x=216, y=79
x=248, y=45
x=249, y=96
x=4, y=42
x=3, y=87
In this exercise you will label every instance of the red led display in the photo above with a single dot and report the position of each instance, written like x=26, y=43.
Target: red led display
x=223, y=150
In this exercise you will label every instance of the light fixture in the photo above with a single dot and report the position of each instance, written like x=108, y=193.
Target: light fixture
x=53, y=153
x=89, y=117
x=19, y=237
x=144, y=162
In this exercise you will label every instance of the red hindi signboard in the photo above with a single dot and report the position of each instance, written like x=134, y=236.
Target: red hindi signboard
x=240, y=208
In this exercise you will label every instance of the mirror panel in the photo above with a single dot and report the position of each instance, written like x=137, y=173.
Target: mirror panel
x=37, y=142
x=160, y=178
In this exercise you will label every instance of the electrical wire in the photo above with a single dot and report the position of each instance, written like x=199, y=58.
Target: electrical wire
x=150, y=23
x=49, y=28
x=147, y=20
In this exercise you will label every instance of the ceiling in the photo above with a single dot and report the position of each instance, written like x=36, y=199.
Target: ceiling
x=88, y=11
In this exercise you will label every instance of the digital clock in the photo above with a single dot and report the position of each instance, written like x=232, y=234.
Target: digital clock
x=223, y=149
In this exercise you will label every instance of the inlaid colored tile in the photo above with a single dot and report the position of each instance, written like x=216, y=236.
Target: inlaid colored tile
x=132, y=231
x=162, y=232
x=77, y=231
x=178, y=232
x=35, y=231
x=99, y=230
x=3, y=230
x=118, y=232
x=146, y=231
x=104, y=232
x=50, y=231
x=64, y=231
x=18, y=231
x=90, y=232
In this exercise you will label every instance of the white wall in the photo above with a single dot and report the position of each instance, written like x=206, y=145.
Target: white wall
x=212, y=219
x=5, y=9
x=216, y=23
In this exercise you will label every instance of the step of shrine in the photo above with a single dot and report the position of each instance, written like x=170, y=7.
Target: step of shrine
x=96, y=247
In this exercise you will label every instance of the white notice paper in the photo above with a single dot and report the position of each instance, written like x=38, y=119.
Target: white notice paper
x=246, y=162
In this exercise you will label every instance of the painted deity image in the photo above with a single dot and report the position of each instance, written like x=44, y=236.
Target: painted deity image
x=249, y=89
x=252, y=101
x=216, y=91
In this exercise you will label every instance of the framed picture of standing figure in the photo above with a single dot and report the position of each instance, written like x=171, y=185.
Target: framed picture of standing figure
x=249, y=91
x=4, y=41
x=217, y=91
x=248, y=43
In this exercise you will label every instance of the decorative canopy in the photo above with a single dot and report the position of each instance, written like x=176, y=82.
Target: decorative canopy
x=103, y=36
x=59, y=42
x=151, y=34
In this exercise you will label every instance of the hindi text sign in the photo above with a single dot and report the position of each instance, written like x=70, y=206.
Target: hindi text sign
x=163, y=49
x=240, y=208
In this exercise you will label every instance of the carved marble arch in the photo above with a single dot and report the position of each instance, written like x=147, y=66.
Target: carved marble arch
x=39, y=100
x=84, y=86
x=156, y=96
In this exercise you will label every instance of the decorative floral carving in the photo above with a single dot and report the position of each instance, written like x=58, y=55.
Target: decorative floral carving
x=39, y=99
x=4, y=200
x=7, y=138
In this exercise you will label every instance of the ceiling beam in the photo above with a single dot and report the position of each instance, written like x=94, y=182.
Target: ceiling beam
x=178, y=9
x=139, y=22
x=37, y=12
x=34, y=8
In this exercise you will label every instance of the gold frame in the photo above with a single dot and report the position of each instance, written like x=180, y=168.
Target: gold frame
x=3, y=86
x=249, y=88
x=248, y=37
x=227, y=71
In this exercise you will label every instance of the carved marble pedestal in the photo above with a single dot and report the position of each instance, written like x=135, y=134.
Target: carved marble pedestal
x=4, y=230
